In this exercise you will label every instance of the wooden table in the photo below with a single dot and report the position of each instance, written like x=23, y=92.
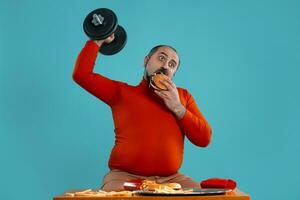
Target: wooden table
x=234, y=195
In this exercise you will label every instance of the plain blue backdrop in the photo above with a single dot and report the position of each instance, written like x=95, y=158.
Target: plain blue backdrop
x=239, y=59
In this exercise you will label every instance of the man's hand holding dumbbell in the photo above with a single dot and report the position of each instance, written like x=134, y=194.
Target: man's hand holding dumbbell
x=107, y=40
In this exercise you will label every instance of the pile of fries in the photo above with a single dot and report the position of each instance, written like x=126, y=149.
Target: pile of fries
x=99, y=193
x=147, y=185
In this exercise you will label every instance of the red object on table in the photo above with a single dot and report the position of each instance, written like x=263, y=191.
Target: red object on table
x=218, y=183
x=133, y=184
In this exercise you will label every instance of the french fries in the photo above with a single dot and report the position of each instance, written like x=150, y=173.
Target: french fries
x=147, y=185
x=99, y=193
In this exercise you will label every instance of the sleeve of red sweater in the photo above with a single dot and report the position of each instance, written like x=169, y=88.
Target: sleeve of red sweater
x=103, y=88
x=194, y=125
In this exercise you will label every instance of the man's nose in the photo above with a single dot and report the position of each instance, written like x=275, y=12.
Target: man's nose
x=165, y=65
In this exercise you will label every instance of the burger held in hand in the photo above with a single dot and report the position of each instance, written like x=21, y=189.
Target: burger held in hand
x=156, y=81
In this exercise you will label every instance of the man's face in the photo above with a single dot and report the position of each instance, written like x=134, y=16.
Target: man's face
x=164, y=60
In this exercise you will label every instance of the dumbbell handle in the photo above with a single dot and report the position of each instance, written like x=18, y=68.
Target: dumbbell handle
x=97, y=19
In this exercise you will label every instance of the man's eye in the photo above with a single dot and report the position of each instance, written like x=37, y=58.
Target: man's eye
x=172, y=65
x=162, y=58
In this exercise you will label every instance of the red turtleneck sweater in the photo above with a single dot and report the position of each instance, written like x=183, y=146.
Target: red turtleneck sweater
x=149, y=138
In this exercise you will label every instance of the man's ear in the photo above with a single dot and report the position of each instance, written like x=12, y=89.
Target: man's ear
x=146, y=60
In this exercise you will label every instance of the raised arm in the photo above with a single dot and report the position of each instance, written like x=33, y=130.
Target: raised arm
x=102, y=87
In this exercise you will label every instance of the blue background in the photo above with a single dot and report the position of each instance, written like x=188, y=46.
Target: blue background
x=239, y=59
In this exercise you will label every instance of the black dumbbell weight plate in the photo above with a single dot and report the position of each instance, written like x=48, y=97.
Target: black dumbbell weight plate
x=100, y=31
x=117, y=44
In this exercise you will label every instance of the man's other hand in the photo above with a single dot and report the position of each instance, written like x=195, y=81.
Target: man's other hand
x=171, y=98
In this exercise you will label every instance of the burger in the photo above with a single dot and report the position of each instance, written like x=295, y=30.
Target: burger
x=164, y=187
x=174, y=186
x=155, y=81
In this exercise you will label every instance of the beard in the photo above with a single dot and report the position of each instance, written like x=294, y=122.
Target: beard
x=147, y=75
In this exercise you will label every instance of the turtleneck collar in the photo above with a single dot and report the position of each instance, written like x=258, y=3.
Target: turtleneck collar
x=149, y=91
x=144, y=85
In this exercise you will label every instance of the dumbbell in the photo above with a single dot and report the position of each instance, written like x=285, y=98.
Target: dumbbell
x=100, y=24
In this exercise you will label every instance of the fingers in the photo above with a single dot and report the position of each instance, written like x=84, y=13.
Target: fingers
x=162, y=94
x=112, y=36
x=169, y=84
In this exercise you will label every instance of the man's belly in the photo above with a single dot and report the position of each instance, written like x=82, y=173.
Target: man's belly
x=148, y=157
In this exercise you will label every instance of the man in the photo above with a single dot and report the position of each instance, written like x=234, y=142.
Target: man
x=150, y=125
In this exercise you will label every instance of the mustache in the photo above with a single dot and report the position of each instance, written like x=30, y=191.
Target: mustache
x=162, y=70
